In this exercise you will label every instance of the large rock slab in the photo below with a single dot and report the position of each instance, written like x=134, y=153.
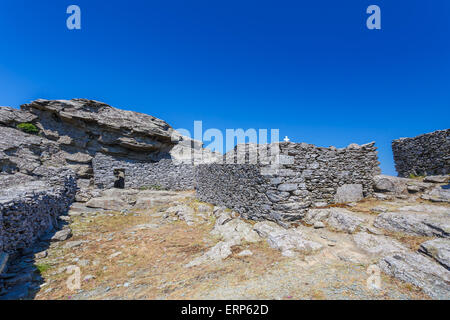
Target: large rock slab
x=439, y=250
x=424, y=273
x=437, y=179
x=377, y=245
x=426, y=208
x=289, y=242
x=335, y=218
x=106, y=203
x=420, y=224
x=438, y=194
x=349, y=193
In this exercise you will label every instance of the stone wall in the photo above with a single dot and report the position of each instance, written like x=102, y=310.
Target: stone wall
x=164, y=173
x=427, y=154
x=298, y=176
x=31, y=209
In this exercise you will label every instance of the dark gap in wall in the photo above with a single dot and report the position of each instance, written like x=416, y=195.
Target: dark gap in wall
x=119, y=175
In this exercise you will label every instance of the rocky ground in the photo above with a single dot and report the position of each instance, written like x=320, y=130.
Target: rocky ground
x=147, y=244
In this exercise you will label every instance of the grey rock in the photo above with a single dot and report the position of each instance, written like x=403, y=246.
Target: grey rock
x=41, y=255
x=336, y=218
x=422, y=272
x=62, y=235
x=378, y=245
x=235, y=231
x=384, y=183
x=438, y=194
x=289, y=242
x=286, y=187
x=420, y=224
x=183, y=212
x=349, y=193
x=426, y=208
x=439, y=250
x=245, y=253
x=74, y=244
x=106, y=203
x=319, y=225
x=437, y=179
x=217, y=253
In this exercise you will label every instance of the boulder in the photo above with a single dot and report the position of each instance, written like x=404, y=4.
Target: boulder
x=420, y=224
x=384, y=183
x=439, y=250
x=62, y=235
x=349, y=193
x=422, y=272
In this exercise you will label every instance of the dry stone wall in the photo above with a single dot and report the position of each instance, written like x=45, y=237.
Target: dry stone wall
x=298, y=176
x=31, y=209
x=427, y=154
x=164, y=173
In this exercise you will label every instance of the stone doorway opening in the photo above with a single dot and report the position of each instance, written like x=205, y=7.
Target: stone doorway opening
x=119, y=175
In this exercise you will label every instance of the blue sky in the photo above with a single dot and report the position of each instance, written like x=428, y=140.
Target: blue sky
x=309, y=68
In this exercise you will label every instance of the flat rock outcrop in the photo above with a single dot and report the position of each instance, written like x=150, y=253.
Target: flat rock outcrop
x=414, y=268
x=438, y=249
x=420, y=224
x=335, y=218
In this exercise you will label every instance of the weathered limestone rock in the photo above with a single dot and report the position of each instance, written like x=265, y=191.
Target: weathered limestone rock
x=377, y=244
x=420, y=224
x=107, y=203
x=426, y=208
x=336, y=218
x=183, y=212
x=217, y=253
x=289, y=242
x=62, y=235
x=235, y=231
x=349, y=193
x=414, y=268
x=438, y=194
x=11, y=117
x=22, y=152
x=384, y=183
x=437, y=179
x=439, y=250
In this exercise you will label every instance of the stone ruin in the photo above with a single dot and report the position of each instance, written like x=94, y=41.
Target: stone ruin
x=287, y=178
x=427, y=154
x=103, y=147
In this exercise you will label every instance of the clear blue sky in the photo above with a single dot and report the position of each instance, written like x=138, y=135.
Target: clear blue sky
x=309, y=68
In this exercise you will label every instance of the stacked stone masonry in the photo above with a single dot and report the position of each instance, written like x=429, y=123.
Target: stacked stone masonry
x=165, y=173
x=30, y=210
x=282, y=187
x=427, y=154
